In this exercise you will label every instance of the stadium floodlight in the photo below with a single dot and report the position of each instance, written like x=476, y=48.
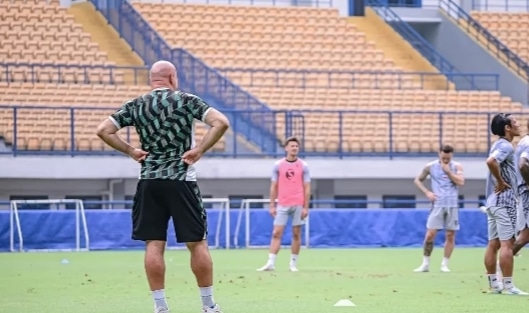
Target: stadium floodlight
x=15, y=225
x=245, y=212
x=222, y=206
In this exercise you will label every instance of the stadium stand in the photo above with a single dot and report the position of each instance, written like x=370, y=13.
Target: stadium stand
x=272, y=49
x=511, y=28
x=48, y=59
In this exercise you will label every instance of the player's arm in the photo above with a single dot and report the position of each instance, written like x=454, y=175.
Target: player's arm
x=421, y=178
x=496, y=157
x=306, y=186
x=217, y=122
x=273, y=186
x=457, y=178
x=108, y=129
x=523, y=164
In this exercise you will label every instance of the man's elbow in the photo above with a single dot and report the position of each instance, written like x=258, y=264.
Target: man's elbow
x=461, y=182
x=100, y=131
x=224, y=123
x=490, y=162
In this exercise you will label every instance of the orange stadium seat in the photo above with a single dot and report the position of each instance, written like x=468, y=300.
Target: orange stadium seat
x=297, y=38
x=46, y=33
x=50, y=129
x=33, y=32
x=511, y=28
x=238, y=37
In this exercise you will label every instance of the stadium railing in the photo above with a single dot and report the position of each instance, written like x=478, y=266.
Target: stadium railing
x=109, y=74
x=501, y=5
x=301, y=3
x=412, y=36
x=292, y=123
x=482, y=35
x=402, y=3
x=194, y=75
x=72, y=73
x=376, y=79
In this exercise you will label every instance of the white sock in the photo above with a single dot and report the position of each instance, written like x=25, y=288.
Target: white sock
x=159, y=298
x=272, y=259
x=493, y=280
x=445, y=261
x=207, y=296
x=507, y=283
x=294, y=259
x=426, y=260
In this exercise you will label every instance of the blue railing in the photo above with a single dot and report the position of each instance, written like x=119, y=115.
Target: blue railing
x=301, y=3
x=73, y=73
x=71, y=131
x=359, y=79
x=402, y=3
x=104, y=74
x=481, y=34
x=236, y=203
x=503, y=5
x=412, y=36
x=194, y=75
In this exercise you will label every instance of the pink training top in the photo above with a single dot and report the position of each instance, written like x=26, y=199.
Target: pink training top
x=290, y=177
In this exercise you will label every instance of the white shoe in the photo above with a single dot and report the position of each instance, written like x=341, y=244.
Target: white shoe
x=422, y=269
x=267, y=268
x=161, y=310
x=496, y=289
x=215, y=309
x=445, y=269
x=514, y=291
x=293, y=268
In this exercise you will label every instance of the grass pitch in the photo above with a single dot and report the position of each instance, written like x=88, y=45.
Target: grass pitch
x=376, y=280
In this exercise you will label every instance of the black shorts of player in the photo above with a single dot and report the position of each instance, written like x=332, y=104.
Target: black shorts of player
x=158, y=200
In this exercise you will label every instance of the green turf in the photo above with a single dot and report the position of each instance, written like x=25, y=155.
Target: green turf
x=376, y=280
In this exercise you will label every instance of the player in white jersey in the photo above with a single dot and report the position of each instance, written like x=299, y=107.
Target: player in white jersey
x=502, y=203
x=446, y=176
x=521, y=157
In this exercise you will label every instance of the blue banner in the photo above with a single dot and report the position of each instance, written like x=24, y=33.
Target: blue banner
x=341, y=228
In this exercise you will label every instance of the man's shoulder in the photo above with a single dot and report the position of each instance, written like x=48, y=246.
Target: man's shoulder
x=431, y=163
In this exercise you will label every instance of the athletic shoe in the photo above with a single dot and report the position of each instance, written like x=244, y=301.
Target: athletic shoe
x=496, y=289
x=293, y=268
x=267, y=268
x=161, y=310
x=215, y=309
x=514, y=291
x=422, y=269
x=445, y=269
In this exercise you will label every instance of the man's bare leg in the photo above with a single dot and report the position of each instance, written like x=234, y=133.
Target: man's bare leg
x=491, y=255
x=450, y=241
x=295, y=247
x=427, y=250
x=521, y=241
x=155, y=271
x=202, y=267
x=275, y=245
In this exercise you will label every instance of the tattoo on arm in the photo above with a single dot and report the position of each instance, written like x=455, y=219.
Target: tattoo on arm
x=428, y=248
x=422, y=176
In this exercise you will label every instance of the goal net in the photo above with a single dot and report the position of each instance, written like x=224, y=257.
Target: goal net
x=29, y=232
x=254, y=227
x=218, y=225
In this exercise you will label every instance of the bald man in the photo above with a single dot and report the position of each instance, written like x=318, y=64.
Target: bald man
x=167, y=187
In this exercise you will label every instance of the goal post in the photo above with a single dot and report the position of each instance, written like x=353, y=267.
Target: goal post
x=245, y=213
x=222, y=226
x=16, y=230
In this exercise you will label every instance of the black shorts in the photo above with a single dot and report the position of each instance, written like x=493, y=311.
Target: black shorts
x=157, y=200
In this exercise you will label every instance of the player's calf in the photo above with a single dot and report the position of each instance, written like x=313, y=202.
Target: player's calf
x=427, y=250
